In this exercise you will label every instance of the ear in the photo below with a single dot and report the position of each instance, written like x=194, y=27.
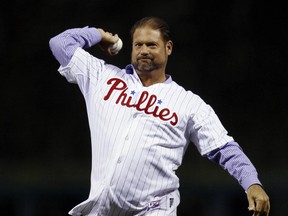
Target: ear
x=169, y=47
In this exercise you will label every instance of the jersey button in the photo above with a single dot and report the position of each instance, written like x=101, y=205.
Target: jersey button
x=119, y=160
x=127, y=137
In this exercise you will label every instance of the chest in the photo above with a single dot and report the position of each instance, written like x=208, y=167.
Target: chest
x=156, y=102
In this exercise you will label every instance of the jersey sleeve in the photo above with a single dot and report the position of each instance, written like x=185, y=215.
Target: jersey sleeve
x=83, y=69
x=206, y=131
x=232, y=159
x=65, y=44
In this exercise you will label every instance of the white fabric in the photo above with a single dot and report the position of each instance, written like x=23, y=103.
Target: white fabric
x=139, y=135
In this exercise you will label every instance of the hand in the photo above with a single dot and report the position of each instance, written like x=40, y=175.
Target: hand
x=108, y=39
x=258, y=200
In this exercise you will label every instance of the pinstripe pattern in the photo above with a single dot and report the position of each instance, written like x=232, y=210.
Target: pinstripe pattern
x=136, y=150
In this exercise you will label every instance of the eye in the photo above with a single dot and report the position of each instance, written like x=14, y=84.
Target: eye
x=137, y=45
x=152, y=45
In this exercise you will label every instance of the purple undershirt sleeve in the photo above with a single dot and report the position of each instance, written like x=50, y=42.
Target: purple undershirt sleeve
x=65, y=44
x=232, y=158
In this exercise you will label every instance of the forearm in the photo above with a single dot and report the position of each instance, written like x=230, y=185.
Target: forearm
x=65, y=44
x=232, y=158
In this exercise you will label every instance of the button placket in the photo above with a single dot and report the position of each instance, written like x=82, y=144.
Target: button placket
x=124, y=149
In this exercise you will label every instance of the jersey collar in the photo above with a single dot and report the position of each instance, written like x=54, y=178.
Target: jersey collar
x=130, y=70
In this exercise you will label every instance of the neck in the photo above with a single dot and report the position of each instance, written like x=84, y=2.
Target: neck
x=151, y=78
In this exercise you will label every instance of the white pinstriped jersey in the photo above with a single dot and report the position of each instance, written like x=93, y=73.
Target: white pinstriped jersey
x=139, y=135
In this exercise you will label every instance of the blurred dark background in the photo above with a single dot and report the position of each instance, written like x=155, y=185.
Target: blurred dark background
x=232, y=53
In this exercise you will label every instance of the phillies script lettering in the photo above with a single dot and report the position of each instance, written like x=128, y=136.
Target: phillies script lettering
x=146, y=103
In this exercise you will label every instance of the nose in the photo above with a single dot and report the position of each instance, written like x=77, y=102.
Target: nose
x=144, y=50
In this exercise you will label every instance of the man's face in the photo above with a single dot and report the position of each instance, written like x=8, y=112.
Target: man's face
x=149, y=51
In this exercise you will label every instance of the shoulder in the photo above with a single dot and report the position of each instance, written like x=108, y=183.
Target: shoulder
x=187, y=100
x=184, y=92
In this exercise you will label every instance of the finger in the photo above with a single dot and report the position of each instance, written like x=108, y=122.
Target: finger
x=255, y=213
x=251, y=203
x=263, y=205
x=113, y=38
x=269, y=207
x=259, y=207
x=268, y=210
x=262, y=208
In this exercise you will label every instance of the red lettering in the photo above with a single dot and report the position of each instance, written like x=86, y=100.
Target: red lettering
x=164, y=113
x=174, y=115
x=122, y=97
x=152, y=100
x=143, y=97
x=145, y=103
x=118, y=84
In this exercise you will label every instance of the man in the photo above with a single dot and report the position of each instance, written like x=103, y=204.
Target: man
x=141, y=123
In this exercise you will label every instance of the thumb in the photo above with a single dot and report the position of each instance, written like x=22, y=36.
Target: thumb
x=251, y=203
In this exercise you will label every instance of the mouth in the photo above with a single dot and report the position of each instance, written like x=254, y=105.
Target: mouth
x=144, y=59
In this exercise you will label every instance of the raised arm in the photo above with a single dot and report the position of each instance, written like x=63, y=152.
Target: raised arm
x=65, y=44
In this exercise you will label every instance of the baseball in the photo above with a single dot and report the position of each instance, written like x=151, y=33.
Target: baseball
x=115, y=48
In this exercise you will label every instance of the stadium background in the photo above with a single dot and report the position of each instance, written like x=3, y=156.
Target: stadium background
x=232, y=53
